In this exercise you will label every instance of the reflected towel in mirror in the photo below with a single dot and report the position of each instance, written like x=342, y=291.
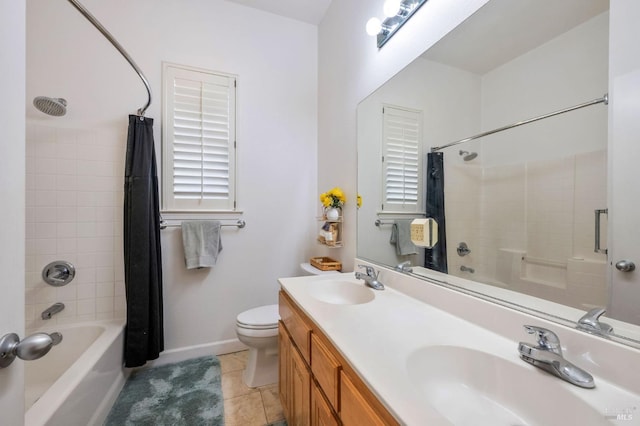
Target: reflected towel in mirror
x=401, y=237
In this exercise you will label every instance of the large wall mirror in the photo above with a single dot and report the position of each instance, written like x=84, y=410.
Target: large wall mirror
x=524, y=207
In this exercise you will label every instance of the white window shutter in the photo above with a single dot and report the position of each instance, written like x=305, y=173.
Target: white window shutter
x=402, y=159
x=199, y=140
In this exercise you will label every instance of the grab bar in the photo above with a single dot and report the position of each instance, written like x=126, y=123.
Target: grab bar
x=598, y=213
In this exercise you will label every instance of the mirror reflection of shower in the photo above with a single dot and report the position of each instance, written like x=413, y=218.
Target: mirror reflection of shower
x=468, y=156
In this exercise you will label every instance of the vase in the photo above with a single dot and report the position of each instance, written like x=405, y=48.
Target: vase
x=332, y=213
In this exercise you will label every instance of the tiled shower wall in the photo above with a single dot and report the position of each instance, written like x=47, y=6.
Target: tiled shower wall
x=74, y=204
x=543, y=209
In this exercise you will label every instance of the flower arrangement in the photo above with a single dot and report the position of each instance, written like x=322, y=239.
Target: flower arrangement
x=333, y=198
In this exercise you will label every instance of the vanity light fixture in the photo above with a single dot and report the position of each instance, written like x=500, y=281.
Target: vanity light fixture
x=397, y=12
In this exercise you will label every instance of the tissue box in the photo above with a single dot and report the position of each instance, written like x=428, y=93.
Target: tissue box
x=326, y=263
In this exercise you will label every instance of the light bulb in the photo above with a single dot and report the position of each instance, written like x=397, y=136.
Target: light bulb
x=391, y=8
x=373, y=26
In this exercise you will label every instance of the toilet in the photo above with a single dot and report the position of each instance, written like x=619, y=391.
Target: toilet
x=258, y=329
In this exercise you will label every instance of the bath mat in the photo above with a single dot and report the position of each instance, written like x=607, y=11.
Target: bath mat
x=185, y=393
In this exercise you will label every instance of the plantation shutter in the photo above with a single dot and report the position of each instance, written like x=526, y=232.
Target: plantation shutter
x=401, y=156
x=199, y=140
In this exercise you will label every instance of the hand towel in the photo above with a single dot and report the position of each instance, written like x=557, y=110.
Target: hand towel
x=401, y=237
x=202, y=243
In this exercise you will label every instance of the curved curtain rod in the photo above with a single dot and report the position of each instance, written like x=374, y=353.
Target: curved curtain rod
x=117, y=45
x=604, y=99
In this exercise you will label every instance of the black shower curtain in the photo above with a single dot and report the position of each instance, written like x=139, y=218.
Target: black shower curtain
x=436, y=258
x=144, y=336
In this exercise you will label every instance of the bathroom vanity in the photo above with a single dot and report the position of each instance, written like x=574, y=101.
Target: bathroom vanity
x=417, y=353
x=317, y=384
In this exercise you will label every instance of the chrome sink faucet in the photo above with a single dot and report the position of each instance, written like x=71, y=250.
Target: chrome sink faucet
x=404, y=266
x=591, y=324
x=370, y=277
x=547, y=355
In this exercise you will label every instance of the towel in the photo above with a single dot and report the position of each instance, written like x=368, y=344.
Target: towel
x=401, y=237
x=202, y=243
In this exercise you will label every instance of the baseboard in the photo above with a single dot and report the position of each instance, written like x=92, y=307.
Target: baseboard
x=181, y=354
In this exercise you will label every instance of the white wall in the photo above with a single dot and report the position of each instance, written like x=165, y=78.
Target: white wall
x=351, y=67
x=12, y=185
x=276, y=63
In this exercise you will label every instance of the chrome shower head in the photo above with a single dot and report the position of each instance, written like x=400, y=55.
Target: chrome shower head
x=468, y=156
x=50, y=106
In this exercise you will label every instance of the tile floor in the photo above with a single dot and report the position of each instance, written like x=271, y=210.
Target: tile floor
x=245, y=406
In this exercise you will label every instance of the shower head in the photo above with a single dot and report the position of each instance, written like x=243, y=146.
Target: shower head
x=468, y=156
x=51, y=106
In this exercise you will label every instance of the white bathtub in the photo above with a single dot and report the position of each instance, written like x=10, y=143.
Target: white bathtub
x=78, y=380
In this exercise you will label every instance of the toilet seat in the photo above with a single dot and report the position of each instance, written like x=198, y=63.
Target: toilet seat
x=261, y=318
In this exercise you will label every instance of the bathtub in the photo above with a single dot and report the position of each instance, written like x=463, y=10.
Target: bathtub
x=78, y=380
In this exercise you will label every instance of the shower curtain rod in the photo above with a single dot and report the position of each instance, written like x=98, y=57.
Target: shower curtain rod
x=117, y=45
x=604, y=99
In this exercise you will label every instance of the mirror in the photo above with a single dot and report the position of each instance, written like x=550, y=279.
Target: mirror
x=524, y=207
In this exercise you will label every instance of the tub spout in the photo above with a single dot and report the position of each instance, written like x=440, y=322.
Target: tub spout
x=51, y=310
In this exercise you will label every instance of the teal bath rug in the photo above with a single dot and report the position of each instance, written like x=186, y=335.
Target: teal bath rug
x=185, y=393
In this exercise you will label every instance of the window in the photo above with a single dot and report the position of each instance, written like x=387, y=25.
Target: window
x=401, y=159
x=199, y=144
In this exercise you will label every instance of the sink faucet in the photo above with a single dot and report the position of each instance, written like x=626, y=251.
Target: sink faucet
x=51, y=310
x=404, y=266
x=547, y=355
x=370, y=278
x=590, y=323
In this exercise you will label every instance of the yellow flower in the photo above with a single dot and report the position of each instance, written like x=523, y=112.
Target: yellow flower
x=333, y=198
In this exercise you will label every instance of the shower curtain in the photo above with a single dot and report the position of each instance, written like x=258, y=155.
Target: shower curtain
x=144, y=336
x=436, y=258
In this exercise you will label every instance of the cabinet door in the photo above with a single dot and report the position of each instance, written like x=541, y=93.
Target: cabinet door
x=284, y=345
x=321, y=414
x=300, y=389
x=354, y=409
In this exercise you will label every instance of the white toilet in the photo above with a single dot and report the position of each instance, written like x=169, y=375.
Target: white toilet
x=258, y=329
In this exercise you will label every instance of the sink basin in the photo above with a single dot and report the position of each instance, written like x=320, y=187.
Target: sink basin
x=341, y=292
x=470, y=387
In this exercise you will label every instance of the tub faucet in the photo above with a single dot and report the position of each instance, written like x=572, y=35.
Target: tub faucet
x=52, y=310
x=547, y=355
x=370, y=278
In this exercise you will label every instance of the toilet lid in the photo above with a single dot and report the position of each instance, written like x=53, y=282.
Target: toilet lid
x=261, y=317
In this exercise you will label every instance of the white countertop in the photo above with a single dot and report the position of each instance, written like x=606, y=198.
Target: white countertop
x=378, y=338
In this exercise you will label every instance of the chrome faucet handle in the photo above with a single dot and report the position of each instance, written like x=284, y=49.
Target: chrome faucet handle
x=546, y=339
x=590, y=322
x=370, y=271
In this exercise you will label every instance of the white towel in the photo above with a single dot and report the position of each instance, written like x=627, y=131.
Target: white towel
x=202, y=243
x=401, y=237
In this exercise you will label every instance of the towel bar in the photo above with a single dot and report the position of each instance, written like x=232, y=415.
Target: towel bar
x=239, y=224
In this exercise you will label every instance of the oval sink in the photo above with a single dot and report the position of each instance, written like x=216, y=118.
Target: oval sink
x=470, y=387
x=341, y=292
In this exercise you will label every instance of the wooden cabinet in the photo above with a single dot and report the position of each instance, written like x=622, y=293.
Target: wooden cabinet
x=295, y=381
x=321, y=388
x=321, y=413
x=356, y=410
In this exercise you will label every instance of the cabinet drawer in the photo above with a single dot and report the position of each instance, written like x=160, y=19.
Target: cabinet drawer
x=297, y=327
x=326, y=369
x=355, y=410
